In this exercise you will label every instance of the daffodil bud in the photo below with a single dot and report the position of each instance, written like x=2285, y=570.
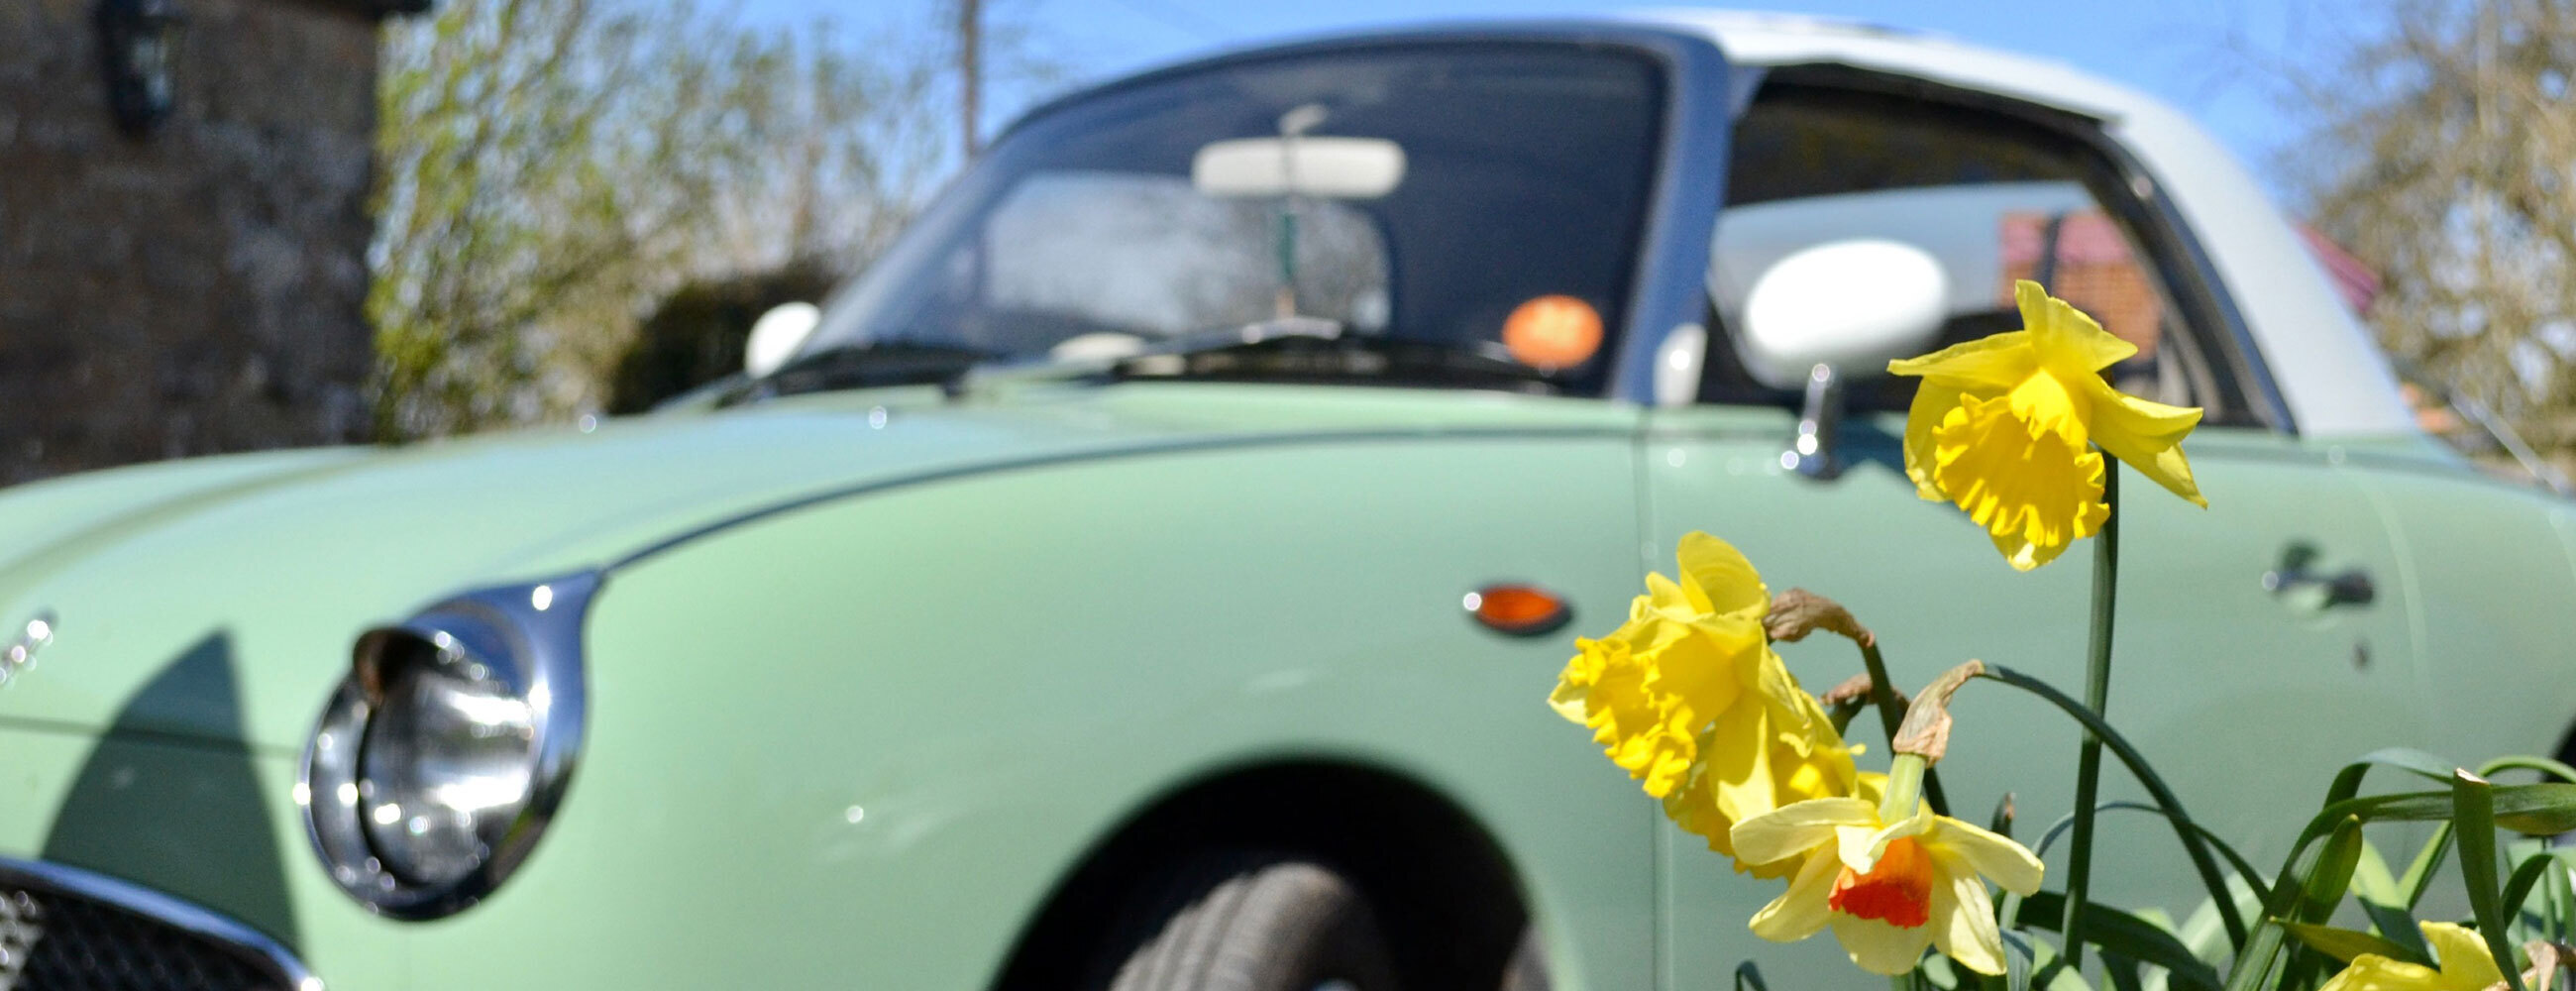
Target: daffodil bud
x=1798, y=612
x=1926, y=732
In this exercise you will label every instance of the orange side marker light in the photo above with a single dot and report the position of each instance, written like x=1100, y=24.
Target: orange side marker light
x=1517, y=609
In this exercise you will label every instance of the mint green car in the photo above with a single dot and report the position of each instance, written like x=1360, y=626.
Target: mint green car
x=1151, y=574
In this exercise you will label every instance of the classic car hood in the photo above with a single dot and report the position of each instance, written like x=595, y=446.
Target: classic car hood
x=217, y=599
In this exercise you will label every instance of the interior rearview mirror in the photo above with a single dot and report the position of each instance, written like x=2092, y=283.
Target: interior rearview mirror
x=1852, y=306
x=1324, y=167
x=777, y=335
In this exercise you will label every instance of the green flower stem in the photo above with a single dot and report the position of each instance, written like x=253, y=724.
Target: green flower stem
x=2097, y=695
x=1904, y=788
x=1891, y=715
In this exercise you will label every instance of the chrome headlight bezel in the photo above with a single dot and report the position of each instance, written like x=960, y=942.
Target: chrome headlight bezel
x=525, y=639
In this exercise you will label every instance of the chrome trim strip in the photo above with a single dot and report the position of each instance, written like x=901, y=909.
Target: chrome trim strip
x=528, y=637
x=188, y=917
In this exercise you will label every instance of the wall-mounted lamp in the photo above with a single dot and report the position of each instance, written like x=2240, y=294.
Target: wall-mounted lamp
x=139, y=49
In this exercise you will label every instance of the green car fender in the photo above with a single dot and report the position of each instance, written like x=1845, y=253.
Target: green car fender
x=874, y=736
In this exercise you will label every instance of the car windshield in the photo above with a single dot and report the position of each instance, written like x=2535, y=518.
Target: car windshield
x=1485, y=199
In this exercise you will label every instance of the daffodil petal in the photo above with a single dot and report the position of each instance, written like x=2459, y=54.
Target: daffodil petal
x=2043, y=403
x=2372, y=972
x=1741, y=778
x=2066, y=339
x=1803, y=910
x=1994, y=362
x=1852, y=844
x=1725, y=579
x=1963, y=922
x=1879, y=947
x=2008, y=863
x=1696, y=671
x=1668, y=597
x=1932, y=401
x=1798, y=827
x=1919, y=823
x=2033, y=492
x=2462, y=954
x=1568, y=701
x=2146, y=436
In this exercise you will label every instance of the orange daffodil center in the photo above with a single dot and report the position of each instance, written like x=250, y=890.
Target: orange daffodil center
x=2465, y=966
x=1688, y=697
x=1888, y=890
x=2004, y=428
x=1896, y=891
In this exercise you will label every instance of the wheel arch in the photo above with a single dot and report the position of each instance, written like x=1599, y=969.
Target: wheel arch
x=1449, y=896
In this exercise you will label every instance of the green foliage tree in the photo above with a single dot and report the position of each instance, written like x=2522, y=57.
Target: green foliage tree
x=2444, y=153
x=552, y=168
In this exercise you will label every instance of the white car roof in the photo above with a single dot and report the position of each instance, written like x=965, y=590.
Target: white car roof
x=2334, y=380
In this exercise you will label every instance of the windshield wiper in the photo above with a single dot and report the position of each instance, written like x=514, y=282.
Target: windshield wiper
x=1177, y=347
x=1343, y=358
x=860, y=365
x=1461, y=363
x=1286, y=349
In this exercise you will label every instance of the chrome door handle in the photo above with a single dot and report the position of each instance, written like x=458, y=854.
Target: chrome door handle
x=2351, y=588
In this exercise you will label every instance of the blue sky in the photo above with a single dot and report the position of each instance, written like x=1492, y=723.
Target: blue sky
x=2211, y=57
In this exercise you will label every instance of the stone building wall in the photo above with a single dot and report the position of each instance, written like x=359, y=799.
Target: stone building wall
x=198, y=287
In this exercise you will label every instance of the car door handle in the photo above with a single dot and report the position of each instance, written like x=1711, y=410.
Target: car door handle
x=2297, y=575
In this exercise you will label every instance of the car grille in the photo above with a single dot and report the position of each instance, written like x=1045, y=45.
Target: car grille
x=59, y=934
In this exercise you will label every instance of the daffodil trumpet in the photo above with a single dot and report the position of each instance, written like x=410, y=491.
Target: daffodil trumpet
x=1890, y=878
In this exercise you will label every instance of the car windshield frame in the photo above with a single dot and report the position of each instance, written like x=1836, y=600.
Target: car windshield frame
x=1683, y=177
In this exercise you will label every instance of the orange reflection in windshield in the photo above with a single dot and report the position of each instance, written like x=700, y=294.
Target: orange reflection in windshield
x=1552, y=332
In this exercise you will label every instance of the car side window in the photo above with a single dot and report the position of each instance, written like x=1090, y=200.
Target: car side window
x=1991, y=198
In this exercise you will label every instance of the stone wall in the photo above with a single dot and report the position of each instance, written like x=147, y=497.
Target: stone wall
x=198, y=287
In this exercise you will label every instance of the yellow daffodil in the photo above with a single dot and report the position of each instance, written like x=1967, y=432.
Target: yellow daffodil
x=1887, y=889
x=2466, y=966
x=2004, y=428
x=1688, y=697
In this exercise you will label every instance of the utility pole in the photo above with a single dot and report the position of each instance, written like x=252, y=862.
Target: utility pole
x=970, y=70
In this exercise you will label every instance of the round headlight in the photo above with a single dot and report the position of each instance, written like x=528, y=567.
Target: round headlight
x=443, y=769
x=443, y=754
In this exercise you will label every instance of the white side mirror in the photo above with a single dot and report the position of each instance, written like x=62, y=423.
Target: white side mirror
x=777, y=335
x=1851, y=305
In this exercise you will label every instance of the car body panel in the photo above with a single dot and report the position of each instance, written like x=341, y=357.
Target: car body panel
x=289, y=574
x=992, y=720
x=2489, y=566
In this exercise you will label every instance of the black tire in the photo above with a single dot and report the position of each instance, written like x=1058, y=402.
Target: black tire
x=1255, y=922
